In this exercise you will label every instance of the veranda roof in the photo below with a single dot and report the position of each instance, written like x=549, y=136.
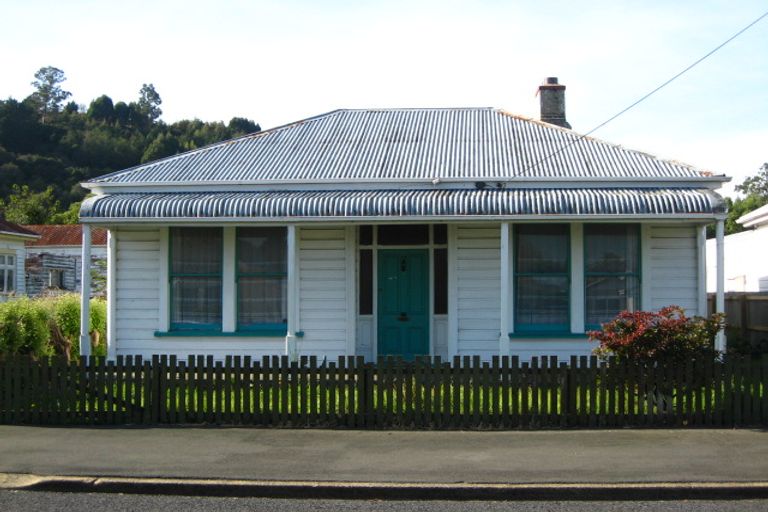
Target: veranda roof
x=403, y=204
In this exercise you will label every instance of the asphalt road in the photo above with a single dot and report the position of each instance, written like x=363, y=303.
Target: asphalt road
x=22, y=501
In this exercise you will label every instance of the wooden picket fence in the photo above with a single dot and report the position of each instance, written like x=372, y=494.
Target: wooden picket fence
x=465, y=393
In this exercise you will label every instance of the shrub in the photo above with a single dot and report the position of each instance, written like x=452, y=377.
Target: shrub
x=24, y=328
x=50, y=325
x=98, y=327
x=667, y=335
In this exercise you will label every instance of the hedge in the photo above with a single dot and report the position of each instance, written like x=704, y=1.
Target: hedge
x=50, y=326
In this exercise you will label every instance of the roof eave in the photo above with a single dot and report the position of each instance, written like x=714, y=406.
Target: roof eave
x=689, y=217
x=711, y=182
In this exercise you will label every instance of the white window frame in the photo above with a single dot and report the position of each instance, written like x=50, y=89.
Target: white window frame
x=4, y=268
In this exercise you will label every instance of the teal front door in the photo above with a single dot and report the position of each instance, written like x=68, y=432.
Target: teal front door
x=403, y=302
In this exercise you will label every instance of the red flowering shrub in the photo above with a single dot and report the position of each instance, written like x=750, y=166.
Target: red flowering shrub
x=666, y=335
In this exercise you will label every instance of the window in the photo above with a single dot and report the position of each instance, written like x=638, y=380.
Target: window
x=440, y=266
x=611, y=271
x=262, y=278
x=542, y=278
x=195, y=275
x=56, y=278
x=7, y=273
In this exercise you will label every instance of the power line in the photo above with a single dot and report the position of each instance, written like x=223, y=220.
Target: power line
x=645, y=97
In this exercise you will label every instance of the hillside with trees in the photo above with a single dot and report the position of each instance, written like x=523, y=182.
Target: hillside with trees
x=48, y=145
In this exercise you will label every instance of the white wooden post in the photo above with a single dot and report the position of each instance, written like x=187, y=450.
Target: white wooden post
x=291, y=347
x=701, y=248
x=85, y=293
x=111, y=295
x=351, y=298
x=720, y=342
x=505, y=289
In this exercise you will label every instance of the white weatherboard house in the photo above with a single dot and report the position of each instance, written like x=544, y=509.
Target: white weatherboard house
x=746, y=264
x=398, y=232
x=12, y=254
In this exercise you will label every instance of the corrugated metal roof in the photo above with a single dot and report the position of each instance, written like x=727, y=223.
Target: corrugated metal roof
x=64, y=234
x=402, y=203
x=397, y=144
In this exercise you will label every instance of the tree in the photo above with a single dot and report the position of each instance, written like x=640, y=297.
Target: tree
x=738, y=208
x=26, y=207
x=149, y=102
x=242, y=126
x=164, y=145
x=18, y=126
x=756, y=185
x=48, y=95
x=70, y=216
x=102, y=109
x=755, y=189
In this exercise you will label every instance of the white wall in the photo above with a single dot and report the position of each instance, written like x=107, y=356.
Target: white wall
x=323, y=293
x=327, y=309
x=478, y=289
x=673, y=267
x=138, y=307
x=746, y=262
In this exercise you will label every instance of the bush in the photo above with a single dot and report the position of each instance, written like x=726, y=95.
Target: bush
x=50, y=325
x=667, y=335
x=24, y=328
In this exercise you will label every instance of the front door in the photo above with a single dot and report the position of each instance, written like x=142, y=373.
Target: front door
x=403, y=302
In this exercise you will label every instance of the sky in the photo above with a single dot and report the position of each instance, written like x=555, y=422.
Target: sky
x=282, y=61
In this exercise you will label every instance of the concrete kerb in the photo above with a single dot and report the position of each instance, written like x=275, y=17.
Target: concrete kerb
x=388, y=491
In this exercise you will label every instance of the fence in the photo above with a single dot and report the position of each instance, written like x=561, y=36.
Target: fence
x=746, y=319
x=427, y=393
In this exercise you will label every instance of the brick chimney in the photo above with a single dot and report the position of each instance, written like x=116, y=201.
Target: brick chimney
x=552, y=98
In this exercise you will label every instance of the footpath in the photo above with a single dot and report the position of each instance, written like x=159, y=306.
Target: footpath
x=551, y=465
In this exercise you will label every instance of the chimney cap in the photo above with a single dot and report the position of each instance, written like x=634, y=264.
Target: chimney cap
x=551, y=83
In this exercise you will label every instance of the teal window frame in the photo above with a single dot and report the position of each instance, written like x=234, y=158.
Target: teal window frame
x=524, y=329
x=258, y=329
x=179, y=327
x=588, y=274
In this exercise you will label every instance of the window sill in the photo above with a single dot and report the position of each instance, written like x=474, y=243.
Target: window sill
x=270, y=333
x=544, y=334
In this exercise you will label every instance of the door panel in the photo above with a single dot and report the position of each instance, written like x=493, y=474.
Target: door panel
x=403, y=302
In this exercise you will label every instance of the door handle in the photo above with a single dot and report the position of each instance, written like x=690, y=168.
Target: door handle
x=403, y=317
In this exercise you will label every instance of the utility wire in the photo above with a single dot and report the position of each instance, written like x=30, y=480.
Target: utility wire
x=657, y=89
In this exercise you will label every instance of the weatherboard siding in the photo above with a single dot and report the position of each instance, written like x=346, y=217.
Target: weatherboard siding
x=478, y=274
x=137, y=286
x=138, y=305
x=673, y=267
x=323, y=297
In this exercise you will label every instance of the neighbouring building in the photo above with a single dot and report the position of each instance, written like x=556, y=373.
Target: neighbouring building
x=53, y=261
x=12, y=254
x=434, y=231
x=746, y=256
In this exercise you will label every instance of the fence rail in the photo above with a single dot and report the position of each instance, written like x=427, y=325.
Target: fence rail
x=425, y=394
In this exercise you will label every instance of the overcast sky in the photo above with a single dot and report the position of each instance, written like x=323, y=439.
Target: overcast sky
x=278, y=62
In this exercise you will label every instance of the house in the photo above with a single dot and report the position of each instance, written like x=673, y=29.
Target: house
x=746, y=266
x=53, y=262
x=452, y=231
x=12, y=254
